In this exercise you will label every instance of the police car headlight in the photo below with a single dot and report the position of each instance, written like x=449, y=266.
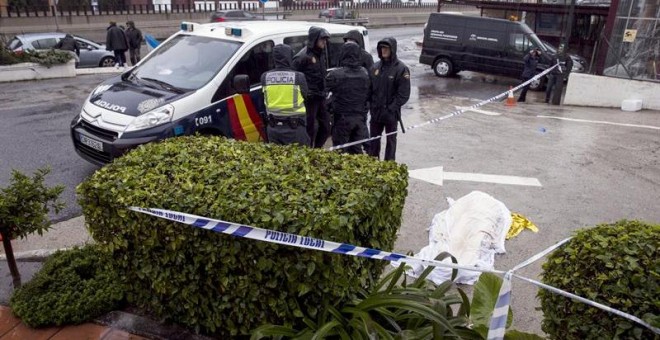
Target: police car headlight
x=152, y=118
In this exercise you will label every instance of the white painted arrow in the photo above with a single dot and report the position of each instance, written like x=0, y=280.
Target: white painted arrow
x=484, y=112
x=436, y=175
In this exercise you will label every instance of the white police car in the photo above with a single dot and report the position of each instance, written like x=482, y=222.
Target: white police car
x=203, y=79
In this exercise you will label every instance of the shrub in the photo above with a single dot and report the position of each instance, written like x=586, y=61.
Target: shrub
x=24, y=208
x=72, y=287
x=396, y=309
x=46, y=58
x=616, y=265
x=225, y=285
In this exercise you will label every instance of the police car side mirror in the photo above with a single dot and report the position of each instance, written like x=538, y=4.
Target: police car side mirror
x=241, y=83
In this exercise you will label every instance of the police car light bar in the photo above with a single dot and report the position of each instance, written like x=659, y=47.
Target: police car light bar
x=236, y=32
x=187, y=26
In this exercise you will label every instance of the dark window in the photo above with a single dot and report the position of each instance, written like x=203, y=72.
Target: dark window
x=296, y=43
x=253, y=63
x=84, y=45
x=234, y=14
x=14, y=44
x=44, y=44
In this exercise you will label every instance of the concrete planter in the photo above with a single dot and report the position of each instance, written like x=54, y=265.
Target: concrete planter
x=589, y=90
x=33, y=71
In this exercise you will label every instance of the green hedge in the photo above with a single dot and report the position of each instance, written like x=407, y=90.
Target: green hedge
x=617, y=265
x=46, y=58
x=225, y=285
x=71, y=288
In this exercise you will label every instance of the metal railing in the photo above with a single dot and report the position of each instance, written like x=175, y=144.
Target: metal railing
x=205, y=7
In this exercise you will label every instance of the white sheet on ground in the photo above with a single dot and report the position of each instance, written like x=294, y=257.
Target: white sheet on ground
x=473, y=229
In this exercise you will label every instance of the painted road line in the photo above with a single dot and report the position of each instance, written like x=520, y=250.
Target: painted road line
x=437, y=176
x=487, y=113
x=602, y=122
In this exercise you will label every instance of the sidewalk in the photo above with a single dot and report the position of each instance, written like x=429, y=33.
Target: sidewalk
x=12, y=328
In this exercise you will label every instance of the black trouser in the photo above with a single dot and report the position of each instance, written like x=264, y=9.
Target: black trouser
x=318, y=121
x=134, y=54
x=120, y=57
x=350, y=128
x=284, y=132
x=550, y=86
x=523, y=93
x=376, y=129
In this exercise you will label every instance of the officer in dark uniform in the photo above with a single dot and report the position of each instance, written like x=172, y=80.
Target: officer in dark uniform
x=366, y=60
x=350, y=87
x=390, y=90
x=559, y=73
x=285, y=91
x=312, y=62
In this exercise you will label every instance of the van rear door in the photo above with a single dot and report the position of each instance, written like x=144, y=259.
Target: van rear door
x=444, y=37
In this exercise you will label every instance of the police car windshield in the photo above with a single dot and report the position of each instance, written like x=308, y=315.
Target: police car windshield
x=187, y=62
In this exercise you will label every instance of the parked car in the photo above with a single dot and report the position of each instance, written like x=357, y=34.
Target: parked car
x=402, y=2
x=335, y=13
x=579, y=63
x=233, y=15
x=454, y=43
x=91, y=53
x=311, y=3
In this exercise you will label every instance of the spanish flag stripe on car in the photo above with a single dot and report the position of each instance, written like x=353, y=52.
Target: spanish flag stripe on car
x=236, y=128
x=254, y=117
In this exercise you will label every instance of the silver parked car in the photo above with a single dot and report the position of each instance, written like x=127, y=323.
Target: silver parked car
x=91, y=53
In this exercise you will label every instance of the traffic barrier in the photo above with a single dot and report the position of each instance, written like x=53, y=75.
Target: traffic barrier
x=510, y=100
x=500, y=313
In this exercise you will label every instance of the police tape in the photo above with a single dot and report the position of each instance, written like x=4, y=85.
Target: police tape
x=277, y=237
x=449, y=115
x=295, y=240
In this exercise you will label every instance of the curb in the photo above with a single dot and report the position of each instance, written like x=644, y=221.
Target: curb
x=100, y=70
x=146, y=327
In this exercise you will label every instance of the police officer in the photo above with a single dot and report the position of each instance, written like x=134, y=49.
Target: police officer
x=312, y=62
x=366, y=60
x=531, y=61
x=350, y=87
x=285, y=91
x=390, y=90
x=559, y=73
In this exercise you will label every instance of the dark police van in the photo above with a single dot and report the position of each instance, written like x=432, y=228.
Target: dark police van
x=454, y=43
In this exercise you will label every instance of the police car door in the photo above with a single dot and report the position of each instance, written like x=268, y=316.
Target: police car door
x=240, y=115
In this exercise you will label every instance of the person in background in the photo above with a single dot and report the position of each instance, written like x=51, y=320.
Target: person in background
x=311, y=61
x=559, y=73
x=350, y=86
x=116, y=42
x=366, y=60
x=531, y=62
x=68, y=43
x=134, y=37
